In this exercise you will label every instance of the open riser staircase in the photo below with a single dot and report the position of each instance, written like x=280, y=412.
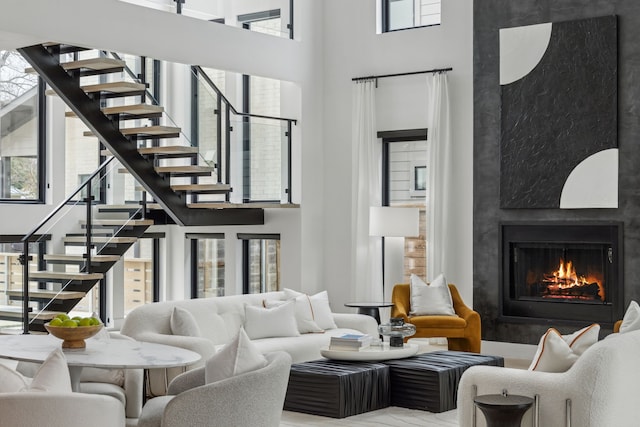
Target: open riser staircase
x=146, y=150
x=66, y=278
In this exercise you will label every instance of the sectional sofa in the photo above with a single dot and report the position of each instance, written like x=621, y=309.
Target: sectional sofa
x=219, y=319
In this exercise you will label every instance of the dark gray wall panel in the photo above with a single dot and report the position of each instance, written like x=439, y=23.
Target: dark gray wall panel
x=489, y=17
x=560, y=113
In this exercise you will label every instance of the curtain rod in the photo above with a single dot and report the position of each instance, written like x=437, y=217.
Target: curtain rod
x=436, y=70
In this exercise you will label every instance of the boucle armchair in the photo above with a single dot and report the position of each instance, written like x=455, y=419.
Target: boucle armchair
x=36, y=408
x=601, y=385
x=252, y=399
x=462, y=331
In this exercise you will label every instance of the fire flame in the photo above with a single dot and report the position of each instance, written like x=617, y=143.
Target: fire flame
x=566, y=277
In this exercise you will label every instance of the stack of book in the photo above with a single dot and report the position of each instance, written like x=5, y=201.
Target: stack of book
x=350, y=342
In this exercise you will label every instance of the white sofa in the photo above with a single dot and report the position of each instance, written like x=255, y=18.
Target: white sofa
x=601, y=386
x=219, y=320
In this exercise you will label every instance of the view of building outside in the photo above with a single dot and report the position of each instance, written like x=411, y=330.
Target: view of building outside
x=404, y=14
x=210, y=267
x=138, y=275
x=19, y=169
x=264, y=265
x=408, y=185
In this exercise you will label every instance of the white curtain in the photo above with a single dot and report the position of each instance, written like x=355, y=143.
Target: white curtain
x=366, y=191
x=440, y=170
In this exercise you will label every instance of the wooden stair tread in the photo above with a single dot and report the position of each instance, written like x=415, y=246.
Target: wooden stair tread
x=130, y=222
x=64, y=275
x=114, y=87
x=42, y=293
x=11, y=311
x=172, y=149
x=135, y=109
x=145, y=130
x=93, y=64
x=227, y=205
x=98, y=239
x=202, y=188
x=184, y=169
x=80, y=258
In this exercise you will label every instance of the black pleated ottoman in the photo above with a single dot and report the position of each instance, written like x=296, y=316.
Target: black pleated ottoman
x=429, y=381
x=337, y=389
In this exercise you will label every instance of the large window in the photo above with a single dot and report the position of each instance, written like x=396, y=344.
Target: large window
x=22, y=135
x=260, y=262
x=404, y=14
x=405, y=183
x=207, y=265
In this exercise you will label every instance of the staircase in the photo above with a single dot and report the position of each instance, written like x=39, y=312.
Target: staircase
x=137, y=148
x=68, y=277
x=153, y=153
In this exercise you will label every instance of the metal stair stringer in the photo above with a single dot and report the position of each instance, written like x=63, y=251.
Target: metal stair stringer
x=88, y=110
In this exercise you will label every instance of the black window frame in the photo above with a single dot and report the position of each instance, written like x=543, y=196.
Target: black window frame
x=384, y=9
x=41, y=150
x=245, y=238
x=194, y=239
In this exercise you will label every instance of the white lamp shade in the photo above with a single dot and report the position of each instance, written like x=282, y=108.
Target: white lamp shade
x=394, y=221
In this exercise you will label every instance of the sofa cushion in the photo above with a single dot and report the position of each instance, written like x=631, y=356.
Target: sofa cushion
x=430, y=299
x=448, y=322
x=277, y=321
x=557, y=353
x=631, y=319
x=303, y=313
x=235, y=358
x=183, y=323
x=320, y=307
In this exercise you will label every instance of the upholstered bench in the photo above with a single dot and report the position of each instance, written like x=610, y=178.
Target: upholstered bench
x=337, y=389
x=429, y=381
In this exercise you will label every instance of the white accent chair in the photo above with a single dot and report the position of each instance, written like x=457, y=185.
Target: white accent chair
x=29, y=409
x=601, y=386
x=252, y=399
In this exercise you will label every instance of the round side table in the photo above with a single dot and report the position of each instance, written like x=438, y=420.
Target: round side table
x=502, y=410
x=370, y=308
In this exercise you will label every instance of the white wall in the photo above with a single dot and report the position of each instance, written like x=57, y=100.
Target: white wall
x=353, y=49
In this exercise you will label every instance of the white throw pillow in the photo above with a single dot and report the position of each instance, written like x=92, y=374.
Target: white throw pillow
x=235, y=358
x=430, y=299
x=303, y=312
x=631, y=319
x=320, y=308
x=183, y=323
x=278, y=321
x=11, y=381
x=557, y=353
x=52, y=376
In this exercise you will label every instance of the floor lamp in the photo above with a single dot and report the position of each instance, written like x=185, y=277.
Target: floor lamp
x=393, y=224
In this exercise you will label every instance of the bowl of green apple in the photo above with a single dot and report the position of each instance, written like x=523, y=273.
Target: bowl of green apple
x=73, y=331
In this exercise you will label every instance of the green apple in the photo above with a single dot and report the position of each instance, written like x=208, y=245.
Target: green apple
x=55, y=322
x=85, y=322
x=63, y=316
x=69, y=323
x=95, y=321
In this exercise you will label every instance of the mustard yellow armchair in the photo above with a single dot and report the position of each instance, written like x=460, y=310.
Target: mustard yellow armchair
x=462, y=331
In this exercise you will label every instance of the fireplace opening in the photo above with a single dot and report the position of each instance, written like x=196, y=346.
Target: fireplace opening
x=562, y=272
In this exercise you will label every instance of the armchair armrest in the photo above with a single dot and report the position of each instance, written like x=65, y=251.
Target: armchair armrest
x=359, y=322
x=188, y=380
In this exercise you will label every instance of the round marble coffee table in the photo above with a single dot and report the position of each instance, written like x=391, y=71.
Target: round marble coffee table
x=99, y=353
x=371, y=354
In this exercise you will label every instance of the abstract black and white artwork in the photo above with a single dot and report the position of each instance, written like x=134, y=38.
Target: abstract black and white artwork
x=558, y=146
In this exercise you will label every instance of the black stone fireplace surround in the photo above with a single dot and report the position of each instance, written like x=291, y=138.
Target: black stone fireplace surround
x=489, y=17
